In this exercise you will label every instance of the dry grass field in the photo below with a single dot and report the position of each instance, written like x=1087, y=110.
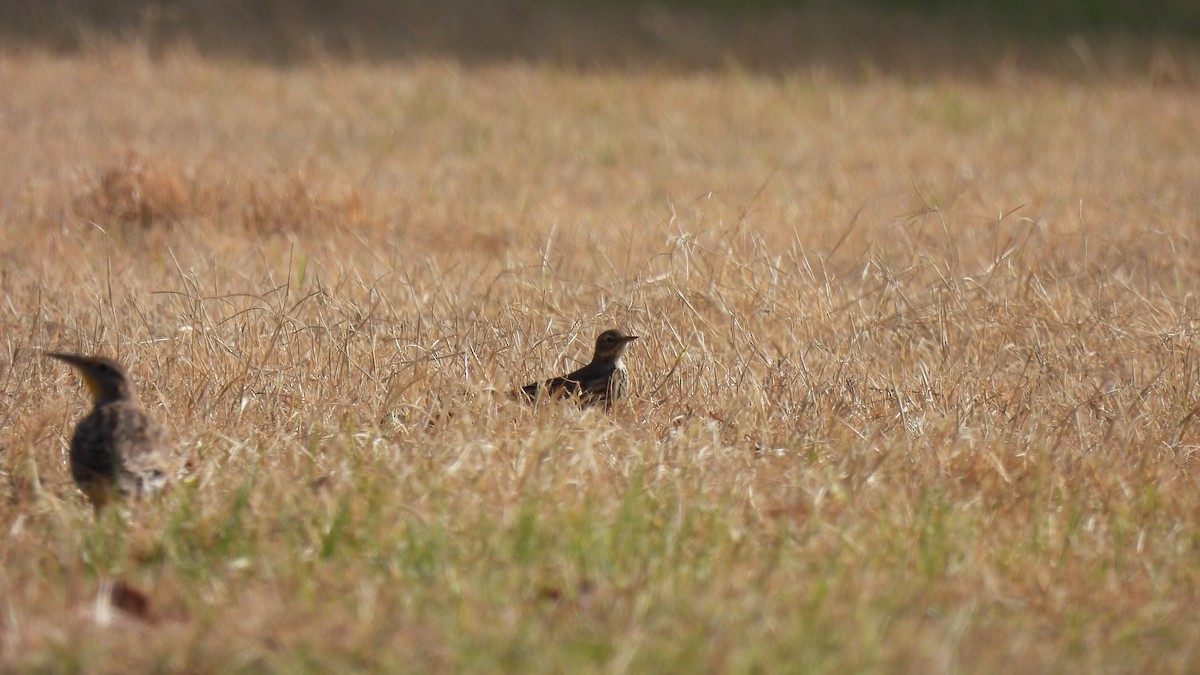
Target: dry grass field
x=918, y=387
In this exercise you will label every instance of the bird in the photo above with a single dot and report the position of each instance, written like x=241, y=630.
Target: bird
x=117, y=450
x=601, y=382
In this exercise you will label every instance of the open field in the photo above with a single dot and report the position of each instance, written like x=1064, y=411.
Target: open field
x=917, y=388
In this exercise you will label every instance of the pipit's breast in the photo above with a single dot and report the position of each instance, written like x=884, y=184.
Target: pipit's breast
x=618, y=384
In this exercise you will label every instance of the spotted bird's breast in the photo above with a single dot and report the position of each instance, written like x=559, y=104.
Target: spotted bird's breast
x=118, y=445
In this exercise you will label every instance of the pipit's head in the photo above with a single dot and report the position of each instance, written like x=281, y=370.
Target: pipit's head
x=611, y=344
x=104, y=377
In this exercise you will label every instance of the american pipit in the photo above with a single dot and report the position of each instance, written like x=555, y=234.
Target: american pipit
x=603, y=381
x=116, y=450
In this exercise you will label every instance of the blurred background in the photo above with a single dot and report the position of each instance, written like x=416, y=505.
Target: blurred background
x=962, y=37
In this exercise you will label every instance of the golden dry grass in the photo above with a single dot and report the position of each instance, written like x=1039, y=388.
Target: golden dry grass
x=916, y=392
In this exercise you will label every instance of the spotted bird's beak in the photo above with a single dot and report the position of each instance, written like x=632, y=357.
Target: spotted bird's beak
x=84, y=365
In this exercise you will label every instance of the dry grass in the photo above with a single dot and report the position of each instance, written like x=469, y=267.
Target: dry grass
x=917, y=390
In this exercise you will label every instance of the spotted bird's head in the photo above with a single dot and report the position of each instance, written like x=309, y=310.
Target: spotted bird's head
x=105, y=378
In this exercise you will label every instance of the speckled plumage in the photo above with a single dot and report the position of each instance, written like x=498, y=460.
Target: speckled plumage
x=603, y=381
x=116, y=450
